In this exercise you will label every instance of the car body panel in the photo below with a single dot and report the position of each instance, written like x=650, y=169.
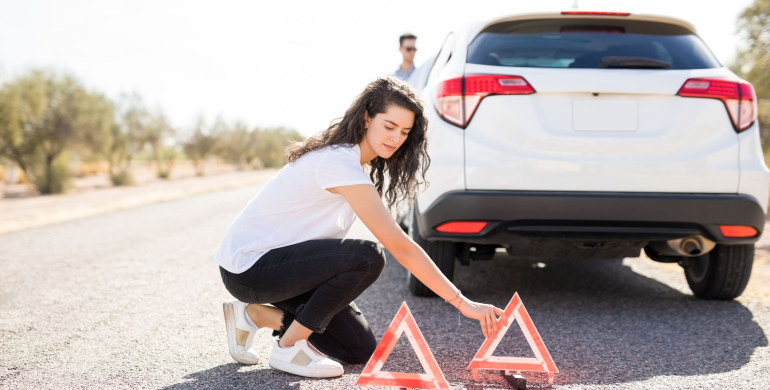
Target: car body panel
x=754, y=172
x=447, y=168
x=530, y=142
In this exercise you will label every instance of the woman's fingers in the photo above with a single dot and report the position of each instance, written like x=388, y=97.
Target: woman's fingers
x=494, y=321
x=489, y=324
x=487, y=318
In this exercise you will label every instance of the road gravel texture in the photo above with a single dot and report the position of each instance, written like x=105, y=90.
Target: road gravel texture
x=132, y=299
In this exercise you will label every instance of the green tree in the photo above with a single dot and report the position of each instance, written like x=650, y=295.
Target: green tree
x=238, y=146
x=95, y=135
x=127, y=137
x=157, y=133
x=753, y=60
x=200, y=145
x=271, y=144
x=19, y=109
x=255, y=148
x=43, y=115
x=166, y=156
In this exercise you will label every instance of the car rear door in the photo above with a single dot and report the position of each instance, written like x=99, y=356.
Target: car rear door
x=595, y=125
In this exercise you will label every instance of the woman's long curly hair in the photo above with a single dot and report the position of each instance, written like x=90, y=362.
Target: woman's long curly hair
x=407, y=166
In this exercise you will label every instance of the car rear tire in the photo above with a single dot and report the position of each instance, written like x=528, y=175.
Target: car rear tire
x=721, y=274
x=442, y=253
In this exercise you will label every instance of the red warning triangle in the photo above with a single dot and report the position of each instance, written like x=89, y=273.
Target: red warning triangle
x=403, y=323
x=542, y=362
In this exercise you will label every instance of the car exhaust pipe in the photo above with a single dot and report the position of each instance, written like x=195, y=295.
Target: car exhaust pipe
x=689, y=246
x=692, y=246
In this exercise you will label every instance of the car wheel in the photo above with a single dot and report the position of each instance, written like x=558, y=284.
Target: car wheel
x=442, y=253
x=722, y=273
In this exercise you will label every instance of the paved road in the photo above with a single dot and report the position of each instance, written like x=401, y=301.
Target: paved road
x=131, y=299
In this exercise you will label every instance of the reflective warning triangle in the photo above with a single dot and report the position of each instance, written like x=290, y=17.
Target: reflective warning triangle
x=403, y=323
x=542, y=362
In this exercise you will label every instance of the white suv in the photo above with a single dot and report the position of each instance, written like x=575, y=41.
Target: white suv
x=585, y=135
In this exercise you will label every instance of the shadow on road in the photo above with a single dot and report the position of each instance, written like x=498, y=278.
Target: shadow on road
x=236, y=376
x=602, y=322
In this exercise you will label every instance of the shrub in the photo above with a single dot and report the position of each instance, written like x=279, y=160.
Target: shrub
x=52, y=177
x=166, y=157
x=121, y=178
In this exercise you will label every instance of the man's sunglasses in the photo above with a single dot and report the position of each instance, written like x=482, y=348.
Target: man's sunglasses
x=410, y=48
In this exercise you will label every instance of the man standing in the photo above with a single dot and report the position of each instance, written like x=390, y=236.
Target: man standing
x=408, y=50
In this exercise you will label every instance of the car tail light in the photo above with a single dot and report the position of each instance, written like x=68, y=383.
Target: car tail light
x=457, y=99
x=595, y=13
x=737, y=231
x=461, y=227
x=738, y=97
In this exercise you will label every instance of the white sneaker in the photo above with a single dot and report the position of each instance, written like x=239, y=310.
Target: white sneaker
x=304, y=360
x=239, y=333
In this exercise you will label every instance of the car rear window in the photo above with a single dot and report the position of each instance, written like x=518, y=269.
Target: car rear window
x=590, y=43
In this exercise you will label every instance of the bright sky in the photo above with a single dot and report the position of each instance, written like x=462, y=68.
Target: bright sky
x=293, y=63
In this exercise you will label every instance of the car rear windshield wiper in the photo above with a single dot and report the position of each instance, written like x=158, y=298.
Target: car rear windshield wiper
x=633, y=63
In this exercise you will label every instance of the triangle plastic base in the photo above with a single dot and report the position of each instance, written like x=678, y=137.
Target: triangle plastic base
x=542, y=362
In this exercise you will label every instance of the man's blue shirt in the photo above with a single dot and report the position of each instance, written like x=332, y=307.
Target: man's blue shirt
x=404, y=76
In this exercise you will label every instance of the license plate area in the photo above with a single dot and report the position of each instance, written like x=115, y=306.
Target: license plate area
x=605, y=115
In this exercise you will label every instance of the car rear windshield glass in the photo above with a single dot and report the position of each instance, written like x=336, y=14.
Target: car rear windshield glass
x=590, y=43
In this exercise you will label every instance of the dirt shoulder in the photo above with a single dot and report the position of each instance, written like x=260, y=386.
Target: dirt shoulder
x=29, y=212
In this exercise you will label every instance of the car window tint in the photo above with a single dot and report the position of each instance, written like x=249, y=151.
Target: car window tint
x=584, y=43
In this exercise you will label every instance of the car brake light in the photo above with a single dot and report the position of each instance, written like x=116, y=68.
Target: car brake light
x=595, y=13
x=738, y=97
x=736, y=231
x=592, y=29
x=461, y=227
x=458, y=98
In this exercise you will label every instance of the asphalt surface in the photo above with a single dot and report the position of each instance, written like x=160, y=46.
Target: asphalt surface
x=132, y=299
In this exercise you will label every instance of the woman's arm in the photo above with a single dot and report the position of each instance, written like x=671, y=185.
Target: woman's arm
x=367, y=204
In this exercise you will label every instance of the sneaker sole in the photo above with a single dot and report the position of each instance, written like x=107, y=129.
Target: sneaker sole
x=303, y=371
x=232, y=343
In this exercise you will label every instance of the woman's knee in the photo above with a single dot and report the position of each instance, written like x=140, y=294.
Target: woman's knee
x=354, y=340
x=371, y=253
x=367, y=345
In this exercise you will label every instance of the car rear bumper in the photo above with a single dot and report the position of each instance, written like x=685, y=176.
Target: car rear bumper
x=591, y=215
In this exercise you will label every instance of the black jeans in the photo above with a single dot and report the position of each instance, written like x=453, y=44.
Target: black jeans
x=315, y=283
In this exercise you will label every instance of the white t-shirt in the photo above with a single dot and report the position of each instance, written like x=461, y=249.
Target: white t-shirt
x=294, y=206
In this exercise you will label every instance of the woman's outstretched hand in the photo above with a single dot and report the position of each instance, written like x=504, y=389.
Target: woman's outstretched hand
x=485, y=314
